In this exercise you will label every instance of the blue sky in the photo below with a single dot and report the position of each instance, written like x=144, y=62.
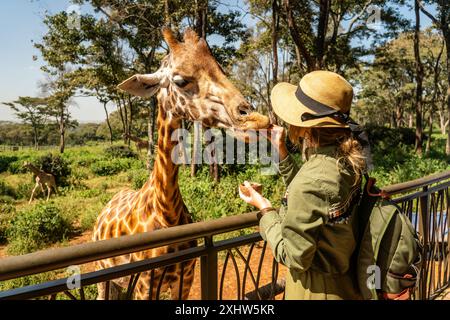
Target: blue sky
x=20, y=24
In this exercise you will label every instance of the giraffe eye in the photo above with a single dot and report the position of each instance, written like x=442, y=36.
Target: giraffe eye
x=180, y=81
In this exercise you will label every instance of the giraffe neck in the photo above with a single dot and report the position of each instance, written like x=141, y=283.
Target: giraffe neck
x=35, y=170
x=135, y=139
x=163, y=180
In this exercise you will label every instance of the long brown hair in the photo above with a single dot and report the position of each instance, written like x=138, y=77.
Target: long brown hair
x=349, y=149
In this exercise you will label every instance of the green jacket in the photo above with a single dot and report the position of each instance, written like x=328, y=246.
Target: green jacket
x=313, y=235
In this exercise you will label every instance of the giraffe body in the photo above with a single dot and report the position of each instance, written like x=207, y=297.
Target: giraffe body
x=191, y=86
x=140, y=144
x=42, y=179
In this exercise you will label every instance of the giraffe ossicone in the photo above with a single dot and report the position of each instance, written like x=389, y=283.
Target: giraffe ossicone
x=192, y=86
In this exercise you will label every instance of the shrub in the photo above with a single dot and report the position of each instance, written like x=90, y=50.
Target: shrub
x=114, y=166
x=5, y=161
x=6, y=190
x=386, y=138
x=17, y=167
x=23, y=191
x=138, y=178
x=7, y=211
x=88, y=219
x=119, y=152
x=35, y=228
x=57, y=166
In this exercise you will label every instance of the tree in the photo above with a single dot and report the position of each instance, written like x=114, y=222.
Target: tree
x=59, y=91
x=31, y=111
x=320, y=39
x=419, y=80
x=442, y=22
x=388, y=84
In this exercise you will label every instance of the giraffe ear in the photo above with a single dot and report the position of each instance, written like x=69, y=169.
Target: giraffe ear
x=142, y=85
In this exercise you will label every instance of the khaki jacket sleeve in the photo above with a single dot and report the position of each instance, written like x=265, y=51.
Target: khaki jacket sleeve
x=293, y=239
x=288, y=169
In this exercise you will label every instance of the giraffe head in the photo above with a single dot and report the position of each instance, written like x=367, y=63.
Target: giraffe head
x=26, y=164
x=193, y=86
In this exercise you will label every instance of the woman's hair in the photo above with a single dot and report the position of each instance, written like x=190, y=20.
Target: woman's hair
x=349, y=149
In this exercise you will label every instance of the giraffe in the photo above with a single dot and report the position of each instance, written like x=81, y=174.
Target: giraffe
x=140, y=144
x=191, y=86
x=42, y=178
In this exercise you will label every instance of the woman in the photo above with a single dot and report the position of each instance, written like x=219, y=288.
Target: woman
x=314, y=232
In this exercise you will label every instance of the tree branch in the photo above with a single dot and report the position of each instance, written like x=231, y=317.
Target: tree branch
x=428, y=14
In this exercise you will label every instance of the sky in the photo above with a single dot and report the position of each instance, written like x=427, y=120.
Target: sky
x=20, y=25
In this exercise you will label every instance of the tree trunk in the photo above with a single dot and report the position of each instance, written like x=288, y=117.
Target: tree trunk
x=322, y=28
x=151, y=130
x=301, y=48
x=35, y=134
x=62, y=130
x=430, y=131
x=447, y=44
x=275, y=23
x=195, y=148
x=122, y=120
x=419, y=81
x=201, y=7
x=108, y=123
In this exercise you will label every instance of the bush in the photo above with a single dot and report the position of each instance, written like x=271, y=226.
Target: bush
x=23, y=191
x=6, y=190
x=114, y=166
x=36, y=228
x=119, y=152
x=138, y=178
x=57, y=166
x=5, y=161
x=386, y=138
x=7, y=211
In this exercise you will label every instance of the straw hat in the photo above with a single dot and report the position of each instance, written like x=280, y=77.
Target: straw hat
x=319, y=92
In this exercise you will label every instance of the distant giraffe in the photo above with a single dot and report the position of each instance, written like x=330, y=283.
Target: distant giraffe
x=42, y=178
x=140, y=144
x=191, y=86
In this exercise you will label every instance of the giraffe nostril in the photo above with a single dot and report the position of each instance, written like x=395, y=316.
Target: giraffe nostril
x=243, y=112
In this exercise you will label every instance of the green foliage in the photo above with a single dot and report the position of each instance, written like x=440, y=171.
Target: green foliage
x=5, y=161
x=389, y=138
x=138, y=178
x=206, y=199
x=88, y=219
x=35, y=228
x=6, y=190
x=27, y=281
x=57, y=166
x=119, y=152
x=114, y=166
x=7, y=212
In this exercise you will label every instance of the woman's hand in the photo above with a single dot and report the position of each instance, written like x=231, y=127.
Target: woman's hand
x=254, y=198
x=277, y=137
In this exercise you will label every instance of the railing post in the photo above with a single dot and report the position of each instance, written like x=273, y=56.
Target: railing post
x=424, y=228
x=208, y=271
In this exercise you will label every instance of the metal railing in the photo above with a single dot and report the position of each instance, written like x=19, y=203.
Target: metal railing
x=244, y=260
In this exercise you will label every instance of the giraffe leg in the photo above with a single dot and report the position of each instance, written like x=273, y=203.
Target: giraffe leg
x=182, y=293
x=101, y=291
x=147, y=287
x=48, y=192
x=32, y=193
